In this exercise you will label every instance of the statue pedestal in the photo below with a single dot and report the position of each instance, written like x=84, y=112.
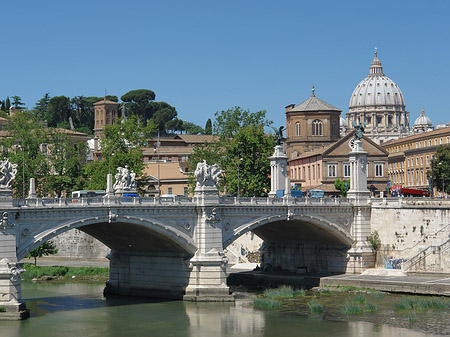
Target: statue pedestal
x=206, y=195
x=278, y=171
x=10, y=293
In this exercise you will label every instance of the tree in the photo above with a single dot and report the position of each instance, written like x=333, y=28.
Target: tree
x=58, y=110
x=17, y=102
x=192, y=129
x=26, y=136
x=47, y=248
x=137, y=100
x=121, y=145
x=440, y=169
x=242, y=152
x=175, y=125
x=343, y=186
x=208, y=127
x=3, y=106
x=7, y=104
x=41, y=107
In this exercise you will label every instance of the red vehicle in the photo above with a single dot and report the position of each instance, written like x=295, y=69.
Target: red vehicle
x=399, y=191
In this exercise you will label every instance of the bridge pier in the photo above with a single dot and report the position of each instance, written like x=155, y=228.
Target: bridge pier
x=207, y=281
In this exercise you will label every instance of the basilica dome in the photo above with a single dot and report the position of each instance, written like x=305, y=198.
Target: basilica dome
x=422, y=123
x=377, y=89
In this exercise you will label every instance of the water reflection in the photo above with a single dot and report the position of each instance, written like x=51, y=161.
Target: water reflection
x=80, y=310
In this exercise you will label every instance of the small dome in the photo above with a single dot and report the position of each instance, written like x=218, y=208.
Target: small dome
x=422, y=120
x=342, y=122
x=377, y=90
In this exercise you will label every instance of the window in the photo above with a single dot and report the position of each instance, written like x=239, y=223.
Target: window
x=428, y=159
x=185, y=191
x=447, y=139
x=346, y=169
x=317, y=128
x=334, y=129
x=417, y=161
x=332, y=170
x=169, y=190
x=378, y=169
x=440, y=141
x=421, y=160
x=318, y=171
x=314, y=172
x=435, y=141
x=297, y=129
x=429, y=142
x=408, y=163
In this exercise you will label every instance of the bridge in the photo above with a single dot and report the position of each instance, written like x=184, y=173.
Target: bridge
x=174, y=248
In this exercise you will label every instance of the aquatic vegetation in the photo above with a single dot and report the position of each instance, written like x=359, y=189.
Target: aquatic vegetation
x=300, y=292
x=370, y=307
x=266, y=303
x=422, y=304
x=283, y=291
x=359, y=299
x=352, y=309
x=377, y=294
x=315, y=307
x=412, y=318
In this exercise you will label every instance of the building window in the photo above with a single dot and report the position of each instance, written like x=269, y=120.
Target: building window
x=169, y=190
x=314, y=172
x=297, y=129
x=435, y=141
x=421, y=160
x=317, y=128
x=318, y=171
x=332, y=170
x=408, y=163
x=429, y=142
x=185, y=191
x=378, y=169
x=428, y=160
x=417, y=161
x=346, y=169
x=334, y=129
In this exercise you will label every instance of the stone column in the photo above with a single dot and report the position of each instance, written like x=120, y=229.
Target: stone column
x=278, y=171
x=10, y=290
x=109, y=185
x=361, y=255
x=32, y=191
x=207, y=281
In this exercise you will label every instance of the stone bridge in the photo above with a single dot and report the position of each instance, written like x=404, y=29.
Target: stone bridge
x=173, y=248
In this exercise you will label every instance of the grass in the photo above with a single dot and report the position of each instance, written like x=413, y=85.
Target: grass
x=325, y=292
x=33, y=271
x=315, y=307
x=357, y=309
x=412, y=318
x=283, y=291
x=300, y=292
x=359, y=299
x=377, y=294
x=266, y=303
x=422, y=304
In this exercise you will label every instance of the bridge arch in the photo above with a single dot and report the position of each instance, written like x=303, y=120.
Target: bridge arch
x=324, y=224
x=168, y=235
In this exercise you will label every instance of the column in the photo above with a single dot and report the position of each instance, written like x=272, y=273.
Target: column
x=278, y=167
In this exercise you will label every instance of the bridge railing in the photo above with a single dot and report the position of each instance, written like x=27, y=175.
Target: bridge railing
x=246, y=201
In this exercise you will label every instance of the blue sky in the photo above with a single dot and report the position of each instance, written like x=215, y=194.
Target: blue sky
x=205, y=56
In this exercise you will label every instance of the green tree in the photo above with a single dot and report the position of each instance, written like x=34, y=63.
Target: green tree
x=67, y=160
x=192, y=129
x=17, y=102
x=121, y=145
x=137, y=100
x=342, y=186
x=47, y=248
x=208, y=127
x=41, y=107
x=58, y=110
x=175, y=125
x=440, y=172
x=26, y=136
x=242, y=152
x=7, y=104
x=3, y=106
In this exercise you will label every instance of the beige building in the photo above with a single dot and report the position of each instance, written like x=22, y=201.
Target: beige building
x=410, y=157
x=319, y=169
x=166, y=163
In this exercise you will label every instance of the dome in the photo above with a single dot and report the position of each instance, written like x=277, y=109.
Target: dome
x=377, y=90
x=342, y=122
x=423, y=120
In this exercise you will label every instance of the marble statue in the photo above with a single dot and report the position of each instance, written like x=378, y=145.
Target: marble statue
x=207, y=175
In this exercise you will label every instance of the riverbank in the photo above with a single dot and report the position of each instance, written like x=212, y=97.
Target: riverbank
x=64, y=274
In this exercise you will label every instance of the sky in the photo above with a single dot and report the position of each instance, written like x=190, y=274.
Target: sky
x=207, y=56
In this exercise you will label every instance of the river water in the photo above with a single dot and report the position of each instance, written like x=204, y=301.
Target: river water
x=81, y=310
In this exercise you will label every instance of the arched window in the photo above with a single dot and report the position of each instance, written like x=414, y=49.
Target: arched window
x=317, y=128
x=297, y=129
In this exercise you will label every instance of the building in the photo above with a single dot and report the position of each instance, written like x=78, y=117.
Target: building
x=166, y=162
x=378, y=102
x=320, y=168
x=410, y=157
x=310, y=125
x=106, y=112
x=422, y=123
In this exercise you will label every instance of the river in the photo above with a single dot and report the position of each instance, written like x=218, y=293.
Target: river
x=79, y=309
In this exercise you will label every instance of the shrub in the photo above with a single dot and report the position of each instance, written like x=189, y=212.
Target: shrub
x=370, y=307
x=359, y=299
x=352, y=309
x=300, y=292
x=2, y=309
x=412, y=318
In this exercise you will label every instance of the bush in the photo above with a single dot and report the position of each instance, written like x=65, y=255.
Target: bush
x=359, y=299
x=266, y=303
x=370, y=307
x=352, y=309
x=2, y=309
x=375, y=241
